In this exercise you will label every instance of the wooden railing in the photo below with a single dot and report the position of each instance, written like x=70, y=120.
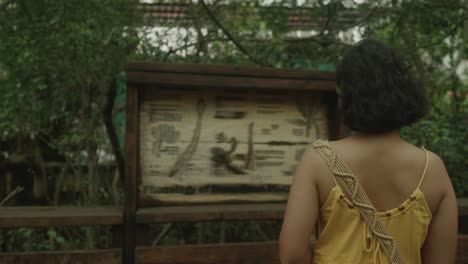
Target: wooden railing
x=246, y=253
x=235, y=253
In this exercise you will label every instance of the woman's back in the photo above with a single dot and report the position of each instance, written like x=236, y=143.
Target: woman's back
x=345, y=236
x=408, y=186
x=378, y=95
x=388, y=168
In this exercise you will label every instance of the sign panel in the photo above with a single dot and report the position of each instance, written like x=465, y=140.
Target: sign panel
x=200, y=142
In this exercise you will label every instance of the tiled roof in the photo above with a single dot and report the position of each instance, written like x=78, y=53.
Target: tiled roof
x=298, y=18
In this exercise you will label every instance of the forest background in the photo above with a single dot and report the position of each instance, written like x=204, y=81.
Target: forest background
x=62, y=88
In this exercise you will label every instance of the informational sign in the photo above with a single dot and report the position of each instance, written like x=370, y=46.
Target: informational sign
x=195, y=139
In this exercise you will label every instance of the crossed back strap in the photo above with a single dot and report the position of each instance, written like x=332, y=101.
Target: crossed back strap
x=353, y=189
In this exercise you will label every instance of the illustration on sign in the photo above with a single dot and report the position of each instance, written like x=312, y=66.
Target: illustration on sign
x=225, y=137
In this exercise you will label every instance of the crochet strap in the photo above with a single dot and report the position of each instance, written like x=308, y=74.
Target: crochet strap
x=353, y=189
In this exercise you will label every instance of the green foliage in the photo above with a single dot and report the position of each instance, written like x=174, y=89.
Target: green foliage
x=58, y=58
x=63, y=238
x=57, y=62
x=445, y=133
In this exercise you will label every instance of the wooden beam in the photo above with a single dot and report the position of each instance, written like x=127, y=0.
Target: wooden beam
x=220, y=212
x=462, y=206
x=228, y=70
x=131, y=175
x=235, y=253
x=195, y=213
x=105, y=256
x=212, y=198
x=155, y=79
x=232, y=253
x=336, y=128
x=245, y=253
x=462, y=249
x=20, y=216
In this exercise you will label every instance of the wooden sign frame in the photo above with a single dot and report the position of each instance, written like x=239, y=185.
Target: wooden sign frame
x=146, y=75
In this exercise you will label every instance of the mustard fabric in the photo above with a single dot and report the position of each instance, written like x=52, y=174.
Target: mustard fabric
x=345, y=237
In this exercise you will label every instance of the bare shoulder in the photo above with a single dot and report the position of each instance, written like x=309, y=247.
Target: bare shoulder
x=311, y=157
x=436, y=171
x=313, y=162
x=317, y=172
x=441, y=240
x=436, y=184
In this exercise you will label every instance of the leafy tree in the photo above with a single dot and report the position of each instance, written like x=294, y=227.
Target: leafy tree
x=59, y=61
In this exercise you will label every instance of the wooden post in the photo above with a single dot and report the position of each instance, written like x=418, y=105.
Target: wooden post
x=336, y=128
x=131, y=167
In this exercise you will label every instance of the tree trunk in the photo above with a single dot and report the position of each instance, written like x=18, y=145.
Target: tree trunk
x=110, y=129
x=40, y=185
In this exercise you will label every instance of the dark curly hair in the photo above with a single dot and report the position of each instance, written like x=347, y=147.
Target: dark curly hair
x=377, y=90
